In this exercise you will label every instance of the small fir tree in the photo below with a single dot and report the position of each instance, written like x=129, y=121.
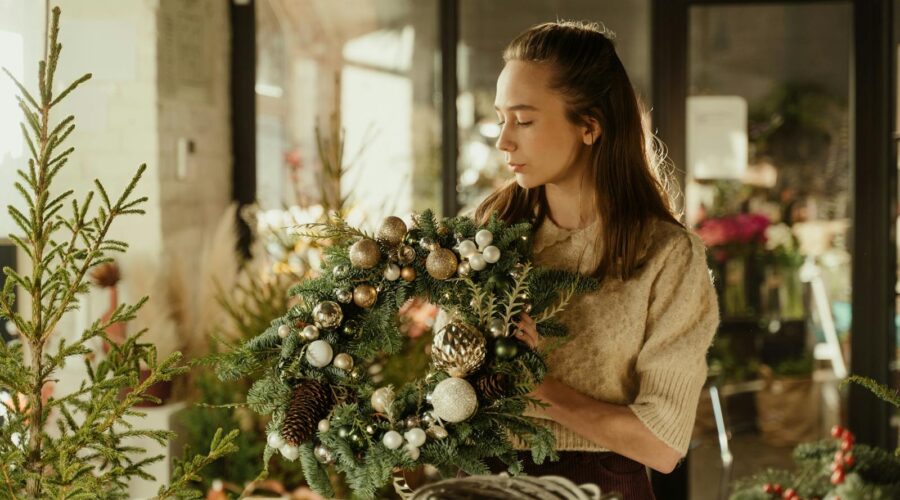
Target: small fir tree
x=86, y=454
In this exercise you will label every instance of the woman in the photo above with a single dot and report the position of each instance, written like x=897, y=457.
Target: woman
x=622, y=392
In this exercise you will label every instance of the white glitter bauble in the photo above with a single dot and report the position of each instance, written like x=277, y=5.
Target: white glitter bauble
x=484, y=238
x=477, y=262
x=275, y=440
x=491, y=254
x=319, y=353
x=392, y=440
x=392, y=272
x=412, y=451
x=467, y=248
x=415, y=437
x=454, y=400
x=290, y=452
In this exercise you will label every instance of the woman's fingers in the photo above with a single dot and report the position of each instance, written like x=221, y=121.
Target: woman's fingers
x=527, y=331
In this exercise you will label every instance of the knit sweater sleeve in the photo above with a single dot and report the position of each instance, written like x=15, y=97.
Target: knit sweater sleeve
x=682, y=319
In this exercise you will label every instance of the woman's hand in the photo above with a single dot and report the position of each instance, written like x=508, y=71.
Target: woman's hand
x=526, y=331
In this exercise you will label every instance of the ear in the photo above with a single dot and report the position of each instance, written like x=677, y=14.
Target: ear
x=590, y=131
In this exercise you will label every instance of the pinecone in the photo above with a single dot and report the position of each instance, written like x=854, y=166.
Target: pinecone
x=311, y=402
x=491, y=386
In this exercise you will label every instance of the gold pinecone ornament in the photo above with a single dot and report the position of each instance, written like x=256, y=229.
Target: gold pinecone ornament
x=492, y=386
x=310, y=403
x=458, y=349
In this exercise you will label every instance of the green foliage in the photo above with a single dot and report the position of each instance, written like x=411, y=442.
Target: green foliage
x=500, y=292
x=89, y=455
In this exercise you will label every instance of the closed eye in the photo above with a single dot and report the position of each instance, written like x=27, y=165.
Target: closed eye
x=522, y=124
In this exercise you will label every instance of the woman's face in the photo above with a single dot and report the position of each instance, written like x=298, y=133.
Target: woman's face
x=540, y=144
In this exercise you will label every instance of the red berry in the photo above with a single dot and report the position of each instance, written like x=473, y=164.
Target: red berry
x=848, y=436
x=839, y=457
x=837, y=431
x=789, y=494
x=837, y=477
x=846, y=445
x=835, y=466
x=777, y=489
x=849, y=460
x=768, y=489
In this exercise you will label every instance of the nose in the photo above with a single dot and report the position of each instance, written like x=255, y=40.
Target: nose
x=503, y=141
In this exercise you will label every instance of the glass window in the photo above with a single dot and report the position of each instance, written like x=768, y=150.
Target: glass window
x=769, y=171
x=364, y=74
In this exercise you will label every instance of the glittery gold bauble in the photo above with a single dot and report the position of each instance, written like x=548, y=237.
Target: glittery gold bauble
x=392, y=230
x=327, y=314
x=408, y=273
x=365, y=296
x=458, y=349
x=365, y=254
x=454, y=400
x=441, y=263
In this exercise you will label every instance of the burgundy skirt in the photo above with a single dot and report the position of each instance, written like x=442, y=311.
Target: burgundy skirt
x=610, y=471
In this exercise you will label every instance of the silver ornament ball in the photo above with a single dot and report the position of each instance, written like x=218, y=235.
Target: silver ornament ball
x=484, y=238
x=343, y=295
x=310, y=332
x=284, y=331
x=497, y=327
x=327, y=314
x=323, y=454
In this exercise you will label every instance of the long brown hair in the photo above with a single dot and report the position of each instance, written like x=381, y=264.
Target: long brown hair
x=627, y=161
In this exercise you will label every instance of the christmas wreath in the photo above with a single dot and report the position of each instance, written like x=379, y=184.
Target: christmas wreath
x=311, y=363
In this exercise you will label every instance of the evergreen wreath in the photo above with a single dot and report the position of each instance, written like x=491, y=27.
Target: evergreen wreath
x=311, y=363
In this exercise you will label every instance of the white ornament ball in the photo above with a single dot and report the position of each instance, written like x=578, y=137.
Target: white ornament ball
x=290, y=452
x=467, y=248
x=319, y=353
x=412, y=451
x=392, y=272
x=382, y=399
x=284, y=331
x=415, y=437
x=392, y=440
x=324, y=425
x=484, y=238
x=491, y=254
x=477, y=262
x=275, y=440
x=454, y=400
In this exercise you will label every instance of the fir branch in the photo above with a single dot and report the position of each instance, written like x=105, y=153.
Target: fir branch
x=334, y=228
x=563, y=302
x=514, y=302
x=881, y=391
x=190, y=471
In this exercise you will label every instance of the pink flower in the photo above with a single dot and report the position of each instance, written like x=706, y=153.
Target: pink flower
x=740, y=228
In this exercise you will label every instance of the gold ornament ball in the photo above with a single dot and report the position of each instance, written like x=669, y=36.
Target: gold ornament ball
x=343, y=361
x=406, y=255
x=458, y=349
x=392, y=230
x=365, y=254
x=365, y=296
x=327, y=314
x=382, y=399
x=454, y=400
x=408, y=274
x=441, y=263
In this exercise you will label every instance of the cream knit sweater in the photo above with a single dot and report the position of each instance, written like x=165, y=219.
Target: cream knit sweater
x=640, y=342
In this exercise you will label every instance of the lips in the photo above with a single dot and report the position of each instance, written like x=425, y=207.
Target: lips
x=516, y=167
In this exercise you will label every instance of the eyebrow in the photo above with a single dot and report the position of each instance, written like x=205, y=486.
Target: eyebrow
x=518, y=107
